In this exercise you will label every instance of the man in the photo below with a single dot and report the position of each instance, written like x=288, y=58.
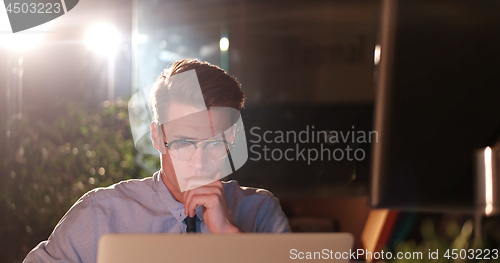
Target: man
x=194, y=132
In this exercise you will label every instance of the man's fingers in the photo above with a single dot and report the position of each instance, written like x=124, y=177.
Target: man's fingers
x=200, y=199
x=201, y=187
x=206, y=190
x=216, y=183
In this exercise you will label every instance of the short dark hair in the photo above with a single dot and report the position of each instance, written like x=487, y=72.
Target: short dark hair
x=217, y=87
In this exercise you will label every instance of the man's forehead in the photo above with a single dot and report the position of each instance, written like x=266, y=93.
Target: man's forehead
x=189, y=122
x=178, y=110
x=189, y=132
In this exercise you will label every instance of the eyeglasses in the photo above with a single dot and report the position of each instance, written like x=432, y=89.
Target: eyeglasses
x=185, y=149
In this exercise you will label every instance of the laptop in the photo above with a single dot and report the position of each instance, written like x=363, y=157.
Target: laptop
x=225, y=248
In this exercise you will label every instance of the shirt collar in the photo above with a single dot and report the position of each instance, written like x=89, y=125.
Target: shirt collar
x=175, y=207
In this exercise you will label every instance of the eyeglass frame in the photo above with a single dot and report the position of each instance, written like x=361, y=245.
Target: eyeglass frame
x=226, y=143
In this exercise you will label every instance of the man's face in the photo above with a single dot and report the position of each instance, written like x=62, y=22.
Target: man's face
x=187, y=166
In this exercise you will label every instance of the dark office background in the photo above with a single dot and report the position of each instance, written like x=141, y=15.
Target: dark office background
x=301, y=64
x=64, y=125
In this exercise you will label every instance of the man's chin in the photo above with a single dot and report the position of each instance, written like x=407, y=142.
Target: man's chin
x=197, y=181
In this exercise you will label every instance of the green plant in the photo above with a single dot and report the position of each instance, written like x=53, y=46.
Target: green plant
x=456, y=245
x=54, y=163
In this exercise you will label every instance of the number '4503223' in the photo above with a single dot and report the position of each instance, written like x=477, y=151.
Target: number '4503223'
x=34, y=8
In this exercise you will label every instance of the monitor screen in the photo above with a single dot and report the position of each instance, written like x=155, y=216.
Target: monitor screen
x=438, y=100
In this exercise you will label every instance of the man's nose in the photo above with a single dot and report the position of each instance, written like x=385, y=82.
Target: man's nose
x=198, y=160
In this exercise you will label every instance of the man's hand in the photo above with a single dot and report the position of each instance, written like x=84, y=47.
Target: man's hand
x=211, y=196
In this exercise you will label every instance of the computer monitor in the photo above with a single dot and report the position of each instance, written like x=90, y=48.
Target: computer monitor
x=438, y=97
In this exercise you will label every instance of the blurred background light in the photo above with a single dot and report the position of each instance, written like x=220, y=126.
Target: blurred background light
x=19, y=41
x=224, y=44
x=4, y=21
x=103, y=38
x=208, y=50
x=376, y=54
x=140, y=38
x=169, y=56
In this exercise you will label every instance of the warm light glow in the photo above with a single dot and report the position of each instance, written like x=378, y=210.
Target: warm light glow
x=4, y=20
x=376, y=54
x=224, y=44
x=140, y=38
x=488, y=209
x=103, y=38
x=488, y=180
x=18, y=41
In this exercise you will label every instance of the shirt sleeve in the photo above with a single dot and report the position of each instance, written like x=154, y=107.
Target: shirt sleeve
x=271, y=218
x=74, y=238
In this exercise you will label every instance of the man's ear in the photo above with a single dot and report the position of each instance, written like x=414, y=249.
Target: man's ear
x=157, y=137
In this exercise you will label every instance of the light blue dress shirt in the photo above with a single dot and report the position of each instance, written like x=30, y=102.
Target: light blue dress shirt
x=147, y=206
